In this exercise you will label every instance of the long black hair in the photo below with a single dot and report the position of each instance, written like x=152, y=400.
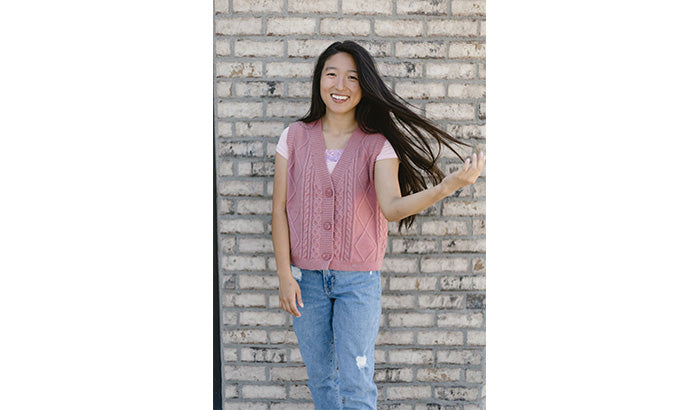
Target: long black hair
x=382, y=111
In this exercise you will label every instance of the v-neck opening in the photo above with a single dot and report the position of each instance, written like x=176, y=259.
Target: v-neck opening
x=352, y=134
x=341, y=161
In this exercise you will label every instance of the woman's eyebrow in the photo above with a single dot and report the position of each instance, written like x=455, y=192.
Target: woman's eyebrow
x=336, y=68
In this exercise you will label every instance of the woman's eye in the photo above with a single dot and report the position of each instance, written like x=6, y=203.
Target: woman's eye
x=331, y=74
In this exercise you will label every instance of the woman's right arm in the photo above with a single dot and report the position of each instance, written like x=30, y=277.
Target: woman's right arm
x=289, y=291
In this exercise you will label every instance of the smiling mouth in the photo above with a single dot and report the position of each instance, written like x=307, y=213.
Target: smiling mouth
x=339, y=98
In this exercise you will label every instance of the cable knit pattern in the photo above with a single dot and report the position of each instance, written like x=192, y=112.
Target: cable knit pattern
x=334, y=219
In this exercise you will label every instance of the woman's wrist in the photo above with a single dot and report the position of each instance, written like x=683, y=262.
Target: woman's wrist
x=284, y=269
x=444, y=190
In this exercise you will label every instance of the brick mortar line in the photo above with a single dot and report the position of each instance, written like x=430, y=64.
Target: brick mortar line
x=244, y=140
x=393, y=329
x=303, y=100
x=402, y=311
x=334, y=37
x=385, y=311
x=436, y=310
x=280, y=98
x=447, y=384
x=366, y=38
x=379, y=58
x=389, y=329
x=383, y=348
x=346, y=16
x=287, y=98
x=393, y=59
x=231, y=139
x=286, y=80
x=390, y=366
x=428, y=237
x=290, y=120
x=271, y=139
x=385, y=364
x=466, y=253
x=385, y=291
x=230, y=217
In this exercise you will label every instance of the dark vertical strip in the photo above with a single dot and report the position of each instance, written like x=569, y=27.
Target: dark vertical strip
x=217, y=330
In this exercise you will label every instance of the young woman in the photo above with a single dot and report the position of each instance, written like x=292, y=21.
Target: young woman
x=358, y=159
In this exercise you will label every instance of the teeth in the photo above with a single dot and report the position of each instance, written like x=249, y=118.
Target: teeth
x=338, y=97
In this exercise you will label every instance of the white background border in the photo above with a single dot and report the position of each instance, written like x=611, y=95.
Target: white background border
x=106, y=167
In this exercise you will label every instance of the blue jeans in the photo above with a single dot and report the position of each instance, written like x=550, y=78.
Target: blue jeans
x=336, y=331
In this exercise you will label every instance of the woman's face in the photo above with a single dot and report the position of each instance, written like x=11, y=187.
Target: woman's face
x=340, y=86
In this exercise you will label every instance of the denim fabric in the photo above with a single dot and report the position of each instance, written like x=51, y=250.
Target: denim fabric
x=336, y=331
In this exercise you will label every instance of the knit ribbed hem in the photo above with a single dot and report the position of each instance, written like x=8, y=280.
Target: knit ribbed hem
x=348, y=266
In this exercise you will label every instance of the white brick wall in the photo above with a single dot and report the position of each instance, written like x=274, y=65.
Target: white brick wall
x=373, y=7
x=430, y=351
x=345, y=26
x=399, y=28
x=429, y=7
x=312, y=6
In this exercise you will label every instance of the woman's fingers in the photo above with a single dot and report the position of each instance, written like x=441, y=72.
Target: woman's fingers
x=482, y=159
x=289, y=305
x=473, y=169
x=289, y=294
x=294, y=310
x=477, y=161
x=298, y=294
x=470, y=161
x=468, y=173
x=467, y=165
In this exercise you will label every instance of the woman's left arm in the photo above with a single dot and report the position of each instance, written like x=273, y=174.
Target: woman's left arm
x=395, y=207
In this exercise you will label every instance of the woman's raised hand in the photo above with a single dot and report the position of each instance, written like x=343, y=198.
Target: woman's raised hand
x=467, y=174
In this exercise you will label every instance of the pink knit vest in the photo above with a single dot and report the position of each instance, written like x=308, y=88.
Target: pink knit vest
x=334, y=219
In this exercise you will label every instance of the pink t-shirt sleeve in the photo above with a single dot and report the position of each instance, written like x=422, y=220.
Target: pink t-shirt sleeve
x=282, y=147
x=387, y=151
